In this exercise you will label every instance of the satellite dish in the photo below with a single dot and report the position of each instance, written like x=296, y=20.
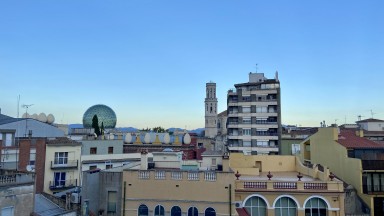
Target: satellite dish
x=30, y=168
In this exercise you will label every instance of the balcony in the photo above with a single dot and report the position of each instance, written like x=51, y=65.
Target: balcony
x=68, y=164
x=372, y=164
x=61, y=185
x=15, y=179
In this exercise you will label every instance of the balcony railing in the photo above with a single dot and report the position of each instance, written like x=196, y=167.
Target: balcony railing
x=68, y=164
x=19, y=178
x=210, y=176
x=289, y=186
x=65, y=184
x=373, y=164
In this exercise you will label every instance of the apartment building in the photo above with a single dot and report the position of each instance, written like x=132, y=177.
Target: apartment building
x=62, y=166
x=254, y=116
x=354, y=159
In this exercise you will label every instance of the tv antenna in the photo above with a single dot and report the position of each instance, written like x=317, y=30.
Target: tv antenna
x=26, y=106
x=372, y=113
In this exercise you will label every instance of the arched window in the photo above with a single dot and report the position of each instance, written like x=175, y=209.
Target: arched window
x=256, y=206
x=143, y=210
x=285, y=206
x=210, y=212
x=316, y=207
x=159, y=210
x=192, y=211
x=176, y=211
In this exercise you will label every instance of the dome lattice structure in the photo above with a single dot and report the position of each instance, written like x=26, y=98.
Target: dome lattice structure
x=104, y=114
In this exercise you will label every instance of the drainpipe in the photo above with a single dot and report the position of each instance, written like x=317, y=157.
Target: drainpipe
x=230, y=199
x=125, y=184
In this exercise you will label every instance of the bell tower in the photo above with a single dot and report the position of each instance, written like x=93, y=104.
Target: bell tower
x=210, y=110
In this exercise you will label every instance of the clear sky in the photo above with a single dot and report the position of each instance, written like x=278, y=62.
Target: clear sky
x=149, y=60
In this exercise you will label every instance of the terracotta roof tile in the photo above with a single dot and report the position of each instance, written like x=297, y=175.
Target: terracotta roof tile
x=348, y=139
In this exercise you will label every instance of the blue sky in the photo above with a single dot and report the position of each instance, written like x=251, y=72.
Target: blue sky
x=149, y=60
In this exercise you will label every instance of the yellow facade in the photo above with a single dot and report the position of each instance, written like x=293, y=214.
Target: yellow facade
x=170, y=188
x=284, y=183
x=223, y=192
x=62, y=165
x=323, y=148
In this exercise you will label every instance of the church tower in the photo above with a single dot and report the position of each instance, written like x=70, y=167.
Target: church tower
x=210, y=110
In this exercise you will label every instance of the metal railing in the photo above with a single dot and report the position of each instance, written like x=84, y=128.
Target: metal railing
x=64, y=164
x=63, y=184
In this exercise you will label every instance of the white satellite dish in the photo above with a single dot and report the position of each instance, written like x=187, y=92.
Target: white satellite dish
x=30, y=168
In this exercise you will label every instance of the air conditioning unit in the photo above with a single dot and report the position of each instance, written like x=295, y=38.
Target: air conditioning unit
x=75, y=198
x=238, y=204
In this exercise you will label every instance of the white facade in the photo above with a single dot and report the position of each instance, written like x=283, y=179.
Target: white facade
x=254, y=116
x=371, y=124
x=210, y=110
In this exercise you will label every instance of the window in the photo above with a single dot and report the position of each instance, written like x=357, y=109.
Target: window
x=246, y=109
x=7, y=211
x=262, y=143
x=214, y=161
x=192, y=211
x=256, y=206
x=92, y=167
x=112, y=202
x=246, y=120
x=176, y=211
x=261, y=109
x=247, y=131
x=59, y=179
x=247, y=143
x=61, y=157
x=159, y=210
x=374, y=182
x=8, y=139
x=247, y=98
x=261, y=120
x=93, y=150
x=210, y=212
x=110, y=150
x=315, y=207
x=285, y=206
x=108, y=166
x=143, y=210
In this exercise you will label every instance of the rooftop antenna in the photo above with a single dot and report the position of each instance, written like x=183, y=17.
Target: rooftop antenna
x=26, y=106
x=18, y=105
x=372, y=113
x=256, y=68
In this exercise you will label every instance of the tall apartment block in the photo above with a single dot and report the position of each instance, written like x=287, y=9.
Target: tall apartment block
x=210, y=110
x=254, y=116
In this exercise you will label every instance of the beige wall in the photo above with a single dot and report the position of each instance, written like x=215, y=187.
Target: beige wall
x=183, y=193
x=74, y=153
x=272, y=163
x=327, y=152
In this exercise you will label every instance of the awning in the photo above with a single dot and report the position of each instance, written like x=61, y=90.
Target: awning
x=242, y=212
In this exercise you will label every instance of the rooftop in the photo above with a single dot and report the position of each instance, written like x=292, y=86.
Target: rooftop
x=348, y=139
x=370, y=120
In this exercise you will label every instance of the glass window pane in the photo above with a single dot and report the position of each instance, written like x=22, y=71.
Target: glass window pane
x=176, y=211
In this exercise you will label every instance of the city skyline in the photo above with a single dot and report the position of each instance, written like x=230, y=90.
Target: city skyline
x=149, y=61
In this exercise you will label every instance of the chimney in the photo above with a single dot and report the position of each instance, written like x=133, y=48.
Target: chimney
x=359, y=133
x=144, y=160
x=226, y=162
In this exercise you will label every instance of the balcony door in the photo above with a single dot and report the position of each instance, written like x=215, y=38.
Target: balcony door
x=60, y=179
